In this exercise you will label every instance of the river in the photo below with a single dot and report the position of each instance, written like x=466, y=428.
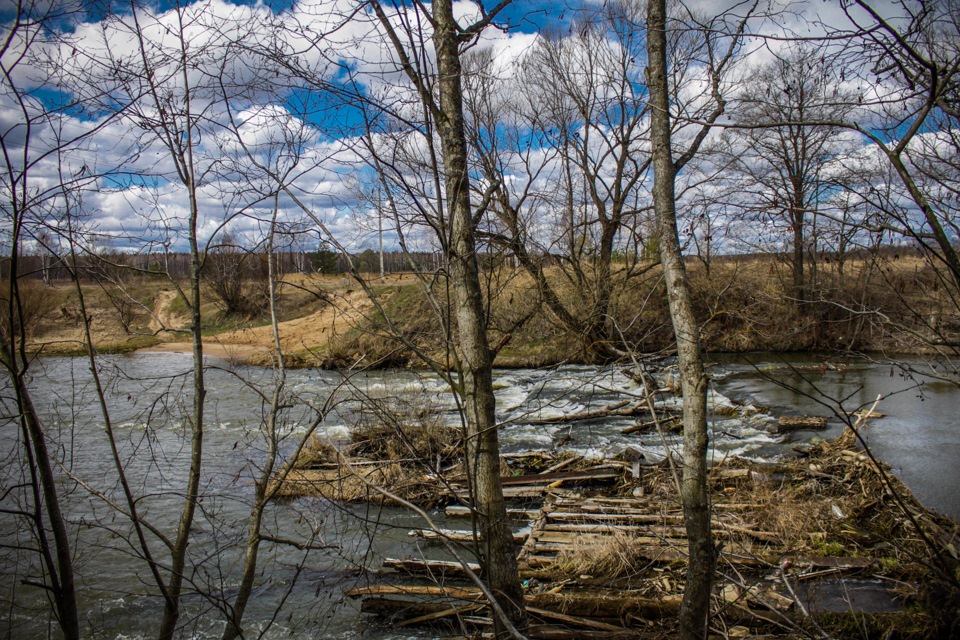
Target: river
x=300, y=594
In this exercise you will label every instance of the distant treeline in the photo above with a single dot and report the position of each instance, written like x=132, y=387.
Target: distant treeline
x=121, y=266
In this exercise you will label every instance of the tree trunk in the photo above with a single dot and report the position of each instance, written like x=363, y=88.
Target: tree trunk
x=799, y=287
x=482, y=445
x=58, y=560
x=695, y=610
x=62, y=584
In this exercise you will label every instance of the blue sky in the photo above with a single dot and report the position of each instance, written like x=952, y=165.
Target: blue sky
x=138, y=192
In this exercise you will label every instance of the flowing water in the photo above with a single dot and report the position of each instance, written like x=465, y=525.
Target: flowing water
x=149, y=397
x=919, y=435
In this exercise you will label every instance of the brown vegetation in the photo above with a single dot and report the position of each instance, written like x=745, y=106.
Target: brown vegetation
x=597, y=555
x=882, y=303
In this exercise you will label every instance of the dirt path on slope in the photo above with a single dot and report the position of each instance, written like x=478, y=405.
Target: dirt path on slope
x=163, y=317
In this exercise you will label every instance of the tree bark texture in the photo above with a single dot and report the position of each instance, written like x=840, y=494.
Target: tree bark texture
x=482, y=444
x=695, y=610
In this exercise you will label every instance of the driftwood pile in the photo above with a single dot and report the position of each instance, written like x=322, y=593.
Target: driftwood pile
x=602, y=553
x=602, y=544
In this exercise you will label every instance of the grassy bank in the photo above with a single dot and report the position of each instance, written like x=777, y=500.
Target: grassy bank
x=884, y=303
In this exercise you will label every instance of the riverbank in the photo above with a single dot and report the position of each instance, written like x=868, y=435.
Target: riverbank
x=335, y=321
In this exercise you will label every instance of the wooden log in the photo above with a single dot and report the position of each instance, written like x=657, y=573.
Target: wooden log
x=574, y=620
x=567, y=476
x=729, y=474
x=765, y=536
x=562, y=464
x=460, y=511
x=642, y=505
x=565, y=538
x=529, y=491
x=669, y=422
x=609, y=410
x=721, y=530
x=615, y=518
x=456, y=535
x=578, y=604
x=402, y=608
x=436, y=615
x=549, y=632
x=601, y=605
x=459, y=593
x=801, y=422
x=429, y=567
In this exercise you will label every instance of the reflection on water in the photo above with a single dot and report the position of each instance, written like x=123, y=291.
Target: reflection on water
x=149, y=395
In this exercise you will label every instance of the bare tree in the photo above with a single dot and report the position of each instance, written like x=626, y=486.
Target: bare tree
x=904, y=63
x=167, y=97
x=785, y=149
x=588, y=103
x=237, y=277
x=475, y=387
x=695, y=610
x=29, y=141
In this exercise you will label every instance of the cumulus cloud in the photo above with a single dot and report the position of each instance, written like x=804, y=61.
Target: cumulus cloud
x=264, y=101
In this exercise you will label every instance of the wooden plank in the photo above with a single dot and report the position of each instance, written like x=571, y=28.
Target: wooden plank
x=539, y=565
x=594, y=528
x=456, y=535
x=461, y=511
x=567, y=516
x=580, y=622
x=530, y=545
x=646, y=505
x=566, y=476
x=573, y=528
x=531, y=491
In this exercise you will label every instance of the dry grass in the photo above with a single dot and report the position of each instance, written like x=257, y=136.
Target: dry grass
x=394, y=448
x=612, y=556
x=358, y=483
x=416, y=442
x=743, y=304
